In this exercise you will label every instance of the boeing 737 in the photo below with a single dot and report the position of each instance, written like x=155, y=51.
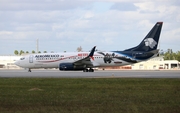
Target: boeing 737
x=87, y=61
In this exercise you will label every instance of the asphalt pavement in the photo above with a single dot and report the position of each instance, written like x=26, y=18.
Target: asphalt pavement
x=43, y=73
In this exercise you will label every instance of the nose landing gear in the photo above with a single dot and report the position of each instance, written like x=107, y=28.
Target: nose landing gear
x=29, y=70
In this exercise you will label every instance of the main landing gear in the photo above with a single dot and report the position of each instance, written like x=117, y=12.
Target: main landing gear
x=88, y=70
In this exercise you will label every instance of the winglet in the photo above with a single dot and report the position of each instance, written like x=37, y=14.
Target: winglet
x=92, y=52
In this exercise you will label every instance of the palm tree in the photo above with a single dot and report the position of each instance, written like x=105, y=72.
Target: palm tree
x=21, y=52
x=79, y=49
x=33, y=51
x=16, y=52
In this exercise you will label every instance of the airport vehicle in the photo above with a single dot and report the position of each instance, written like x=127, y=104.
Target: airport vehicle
x=86, y=61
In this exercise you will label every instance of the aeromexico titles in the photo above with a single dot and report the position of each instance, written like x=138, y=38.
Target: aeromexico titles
x=86, y=61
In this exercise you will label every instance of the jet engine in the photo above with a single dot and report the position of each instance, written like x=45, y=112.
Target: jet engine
x=69, y=67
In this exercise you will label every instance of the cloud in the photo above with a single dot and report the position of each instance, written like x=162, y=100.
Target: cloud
x=19, y=5
x=63, y=24
x=5, y=33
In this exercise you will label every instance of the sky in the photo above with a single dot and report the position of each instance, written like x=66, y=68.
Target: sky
x=65, y=25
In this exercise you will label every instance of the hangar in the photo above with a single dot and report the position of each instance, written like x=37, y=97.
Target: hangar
x=156, y=63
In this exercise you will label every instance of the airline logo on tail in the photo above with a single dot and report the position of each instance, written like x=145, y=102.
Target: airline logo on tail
x=150, y=42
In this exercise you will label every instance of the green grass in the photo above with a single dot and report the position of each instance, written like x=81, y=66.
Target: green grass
x=85, y=95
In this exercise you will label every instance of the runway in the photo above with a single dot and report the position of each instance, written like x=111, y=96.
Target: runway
x=97, y=74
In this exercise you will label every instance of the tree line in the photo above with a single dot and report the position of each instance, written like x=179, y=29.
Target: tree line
x=16, y=52
x=170, y=55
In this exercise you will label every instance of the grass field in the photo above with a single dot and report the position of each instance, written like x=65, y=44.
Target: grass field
x=85, y=95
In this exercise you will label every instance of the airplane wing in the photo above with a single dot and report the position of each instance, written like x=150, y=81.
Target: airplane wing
x=87, y=60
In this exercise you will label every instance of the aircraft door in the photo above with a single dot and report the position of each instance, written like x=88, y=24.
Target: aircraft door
x=31, y=59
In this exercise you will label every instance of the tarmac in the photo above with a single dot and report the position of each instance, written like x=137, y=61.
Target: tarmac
x=53, y=73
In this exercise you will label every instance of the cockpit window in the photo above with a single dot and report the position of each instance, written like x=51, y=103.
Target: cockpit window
x=22, y=58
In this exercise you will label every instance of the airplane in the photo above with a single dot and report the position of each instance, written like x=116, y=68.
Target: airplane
x=87, y=61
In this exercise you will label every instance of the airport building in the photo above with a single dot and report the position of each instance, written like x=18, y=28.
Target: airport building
x=7, y=62
x=156, y=64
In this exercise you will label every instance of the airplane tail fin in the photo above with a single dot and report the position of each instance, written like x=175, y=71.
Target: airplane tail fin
x=150, y=42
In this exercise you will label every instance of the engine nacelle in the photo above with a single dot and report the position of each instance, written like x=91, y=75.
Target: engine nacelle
x=69, y=67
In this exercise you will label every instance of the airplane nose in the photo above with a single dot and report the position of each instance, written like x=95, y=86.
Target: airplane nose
x=17, y=63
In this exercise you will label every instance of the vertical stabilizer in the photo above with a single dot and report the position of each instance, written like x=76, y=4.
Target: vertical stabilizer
x=150, y=42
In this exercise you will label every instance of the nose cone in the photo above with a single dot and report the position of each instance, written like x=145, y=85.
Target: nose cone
x=17, y=63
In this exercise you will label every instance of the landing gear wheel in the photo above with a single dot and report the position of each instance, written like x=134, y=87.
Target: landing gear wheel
x=85, y=70
x=29, y=70
x=88, y=70
x=91, y=70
